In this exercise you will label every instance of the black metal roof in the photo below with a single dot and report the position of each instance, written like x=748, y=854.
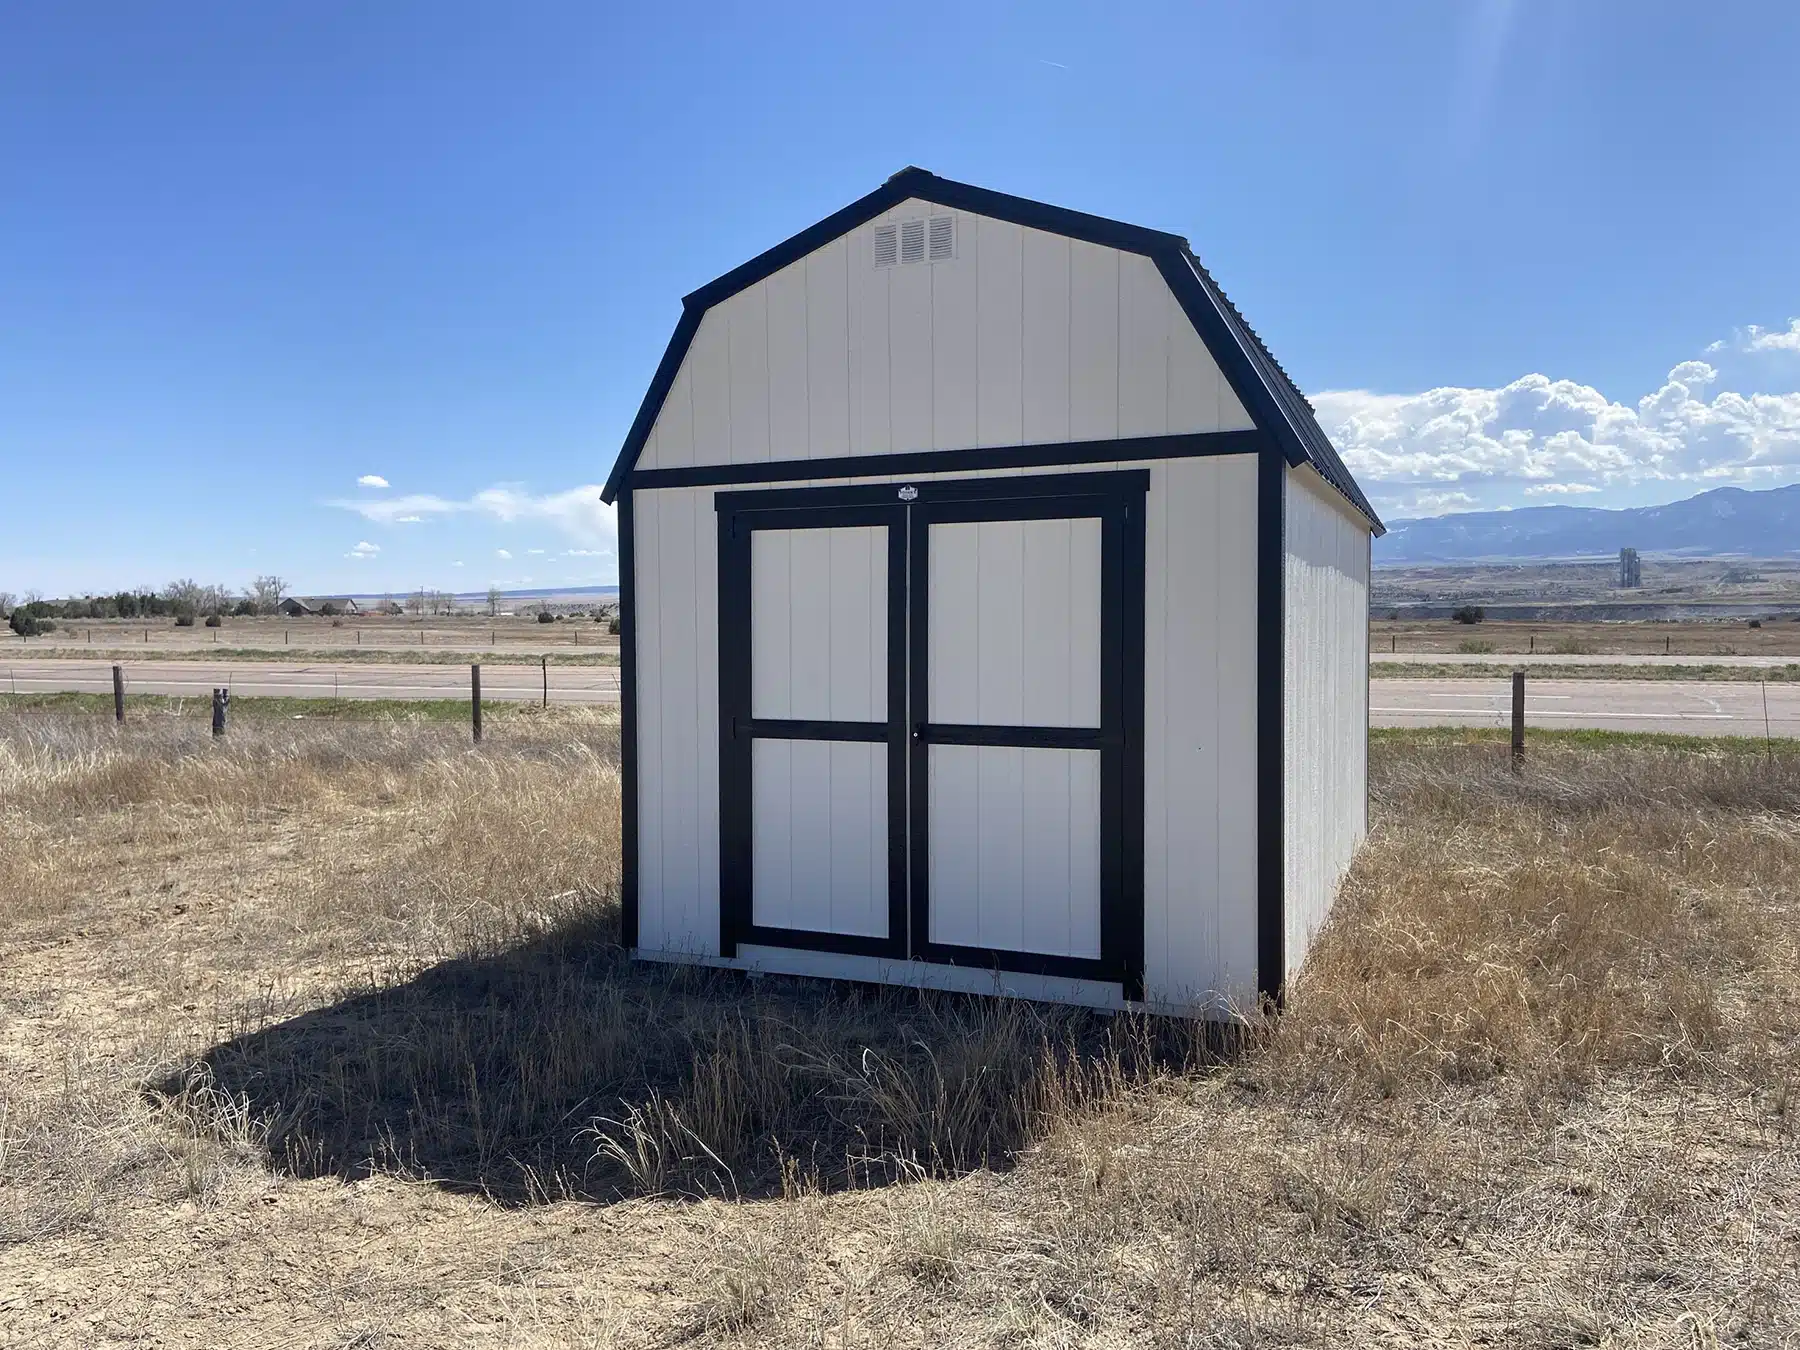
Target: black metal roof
x=1270, y=396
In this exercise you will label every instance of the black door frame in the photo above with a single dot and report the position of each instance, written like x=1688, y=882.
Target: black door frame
x=908, y=510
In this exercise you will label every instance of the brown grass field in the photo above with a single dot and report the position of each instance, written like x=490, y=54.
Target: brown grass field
x=1515, y=637
x=310, y=636
x=320, y=1037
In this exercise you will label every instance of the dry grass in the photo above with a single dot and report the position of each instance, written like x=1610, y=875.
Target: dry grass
x=321, y=1037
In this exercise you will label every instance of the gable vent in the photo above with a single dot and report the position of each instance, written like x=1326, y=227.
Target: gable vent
x=915, y=241
x=943, y=238
x=912, y=241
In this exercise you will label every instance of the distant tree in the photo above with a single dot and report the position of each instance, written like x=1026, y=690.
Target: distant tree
x=493, y=601
x=267, y=592
x=329, y=610
x=545, y=616
x=1468, y=614
x=6, y=602
x=214, y=621
x=23, y=622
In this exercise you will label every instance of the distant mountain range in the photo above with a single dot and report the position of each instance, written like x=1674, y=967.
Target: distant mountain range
x=1723, y=522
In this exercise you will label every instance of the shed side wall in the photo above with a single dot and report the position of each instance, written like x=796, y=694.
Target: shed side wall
x=1325, y=700
x=1023, y=338
x=1200, y=718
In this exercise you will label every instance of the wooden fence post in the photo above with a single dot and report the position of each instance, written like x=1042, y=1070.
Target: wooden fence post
x=119, y=694
x=545, y=660
x=1518, y=720
x=221, y=700
x=475, y=698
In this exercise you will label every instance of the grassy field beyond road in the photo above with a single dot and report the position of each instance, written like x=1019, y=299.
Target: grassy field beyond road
x=322, y=1036
x=1449, y=670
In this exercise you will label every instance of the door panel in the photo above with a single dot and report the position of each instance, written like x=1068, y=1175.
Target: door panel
x=818, y=605
x=1015, y=849
x=819, y=842
x=1015, y=622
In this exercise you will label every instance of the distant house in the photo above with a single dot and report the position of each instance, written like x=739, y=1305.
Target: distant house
x=295, y=606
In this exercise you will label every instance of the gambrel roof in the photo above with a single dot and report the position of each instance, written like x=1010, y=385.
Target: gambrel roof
x=1274, y=403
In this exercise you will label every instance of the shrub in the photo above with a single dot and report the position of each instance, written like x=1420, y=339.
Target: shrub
x=25, y=623
x=1475, y=647
x=214, y=621
x=184, y=620
x=1756, y=623
x=244, y=607
x=328, y=609
x=545, y=616
x=612, y=625
x=1468, y=614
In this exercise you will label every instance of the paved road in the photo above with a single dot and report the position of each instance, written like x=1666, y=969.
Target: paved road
x=1543, y=659
x=1717, y=709
x=568, y=684
x=1728, y=709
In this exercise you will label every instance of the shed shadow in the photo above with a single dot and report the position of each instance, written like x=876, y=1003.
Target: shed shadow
x=560, y=1069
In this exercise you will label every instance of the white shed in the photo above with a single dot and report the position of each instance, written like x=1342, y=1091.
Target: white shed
x=995, y=617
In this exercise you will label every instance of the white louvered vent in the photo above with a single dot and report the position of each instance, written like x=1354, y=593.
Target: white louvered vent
x=915, y=241
x=943, y=238
x=912, y=241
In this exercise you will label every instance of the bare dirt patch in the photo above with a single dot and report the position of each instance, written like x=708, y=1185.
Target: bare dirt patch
x=322, y=1037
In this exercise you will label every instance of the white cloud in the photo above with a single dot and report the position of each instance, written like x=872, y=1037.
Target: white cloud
x=587, y=553
x=501, y=553
x=364, y=549
x=457, y=563
x=578, y=512
x=372, y=480
x=408, y=520
x=534, y=550
x=1452, y=448
x=1763, y=340
x=1560, y=489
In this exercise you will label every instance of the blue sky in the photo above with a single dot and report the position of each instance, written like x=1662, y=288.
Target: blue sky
x=250, y=254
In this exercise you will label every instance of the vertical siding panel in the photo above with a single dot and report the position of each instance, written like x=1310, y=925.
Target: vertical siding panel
x=999, y=592
x=1093, y=342
x=709, y=363
x=1145, y=312
x=1044, y=369
x=1000, y=357
x=1000, y=846
x=956, y=829
x=1194, y=380
x=653, y=919
x=705, y=609
x=771, y=621
x=955, y=327
x=909, y=356
x=955, y=622
x=871, y=396
x=675, y=423
x=789, y=404
x=680, y=676
x=747, y=335
x=828, y=350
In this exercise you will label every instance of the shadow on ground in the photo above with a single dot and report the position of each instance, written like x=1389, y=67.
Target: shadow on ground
x=560, y=1069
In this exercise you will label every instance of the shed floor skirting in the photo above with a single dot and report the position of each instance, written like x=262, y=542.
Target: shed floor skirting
x=931, y=975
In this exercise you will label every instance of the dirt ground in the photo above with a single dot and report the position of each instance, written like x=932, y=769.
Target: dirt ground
x=322, y=1038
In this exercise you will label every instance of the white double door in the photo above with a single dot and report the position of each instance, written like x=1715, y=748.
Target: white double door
x=923, y=745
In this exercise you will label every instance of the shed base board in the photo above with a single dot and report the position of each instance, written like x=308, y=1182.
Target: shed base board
x=929, y=975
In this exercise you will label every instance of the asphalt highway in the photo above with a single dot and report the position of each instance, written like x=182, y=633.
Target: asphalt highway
x=260, y=679
x=1691, y=708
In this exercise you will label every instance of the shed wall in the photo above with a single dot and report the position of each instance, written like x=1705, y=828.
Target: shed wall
x=1326, y=700
x=1023, y=338
x=1200, y=718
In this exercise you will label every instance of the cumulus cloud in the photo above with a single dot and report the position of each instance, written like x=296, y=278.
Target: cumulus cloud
x=1764, y=340
x=363, y=549
x=578, y=512
x=502, y=553
x=1455, y=449
x=372, y=480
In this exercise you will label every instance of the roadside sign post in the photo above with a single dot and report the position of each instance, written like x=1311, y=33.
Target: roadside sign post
x=1518, y=721
x=475, y=698
x=545, y=660
x=119, y=694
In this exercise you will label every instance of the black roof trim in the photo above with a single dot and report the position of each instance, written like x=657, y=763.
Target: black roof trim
x=1255, y=376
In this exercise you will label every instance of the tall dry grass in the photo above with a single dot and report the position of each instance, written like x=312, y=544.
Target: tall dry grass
x=1537, y=1083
